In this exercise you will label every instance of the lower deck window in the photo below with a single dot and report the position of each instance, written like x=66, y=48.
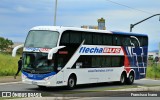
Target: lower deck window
x=99, y=61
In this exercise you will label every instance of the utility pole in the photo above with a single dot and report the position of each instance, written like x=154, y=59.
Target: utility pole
x=132, y=25
x=55, y=13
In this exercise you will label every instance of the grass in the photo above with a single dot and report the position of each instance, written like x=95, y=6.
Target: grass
x=153, y=71
x=8, y=64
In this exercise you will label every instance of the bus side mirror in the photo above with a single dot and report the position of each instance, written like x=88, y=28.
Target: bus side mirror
x=14, y=51
x=54, y=50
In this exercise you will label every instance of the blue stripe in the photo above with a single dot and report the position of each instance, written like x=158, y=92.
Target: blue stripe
x=128, y=33
x=38, y=76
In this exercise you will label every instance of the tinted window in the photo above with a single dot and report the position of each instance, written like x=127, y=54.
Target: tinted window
x=96, y=61
x=134, y=42
x=65, y=37
x=126, y=41
x=117, y=61
x=87, y=37
x=106, y=61
x=75, y=37
x=116, y=40
x=97, y=38
x=99, y=61
x=107, y=39
x=145, y=41
x=140, y=40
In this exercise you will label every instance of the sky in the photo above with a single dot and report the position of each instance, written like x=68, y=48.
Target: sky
x=17, y=17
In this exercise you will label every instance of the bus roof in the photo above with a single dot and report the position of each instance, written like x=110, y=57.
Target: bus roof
x=62, y=29
x=129, y=33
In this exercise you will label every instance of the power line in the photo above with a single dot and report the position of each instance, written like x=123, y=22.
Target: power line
x=129, y=7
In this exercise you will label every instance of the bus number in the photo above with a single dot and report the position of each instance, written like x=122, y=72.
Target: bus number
x=59, y=82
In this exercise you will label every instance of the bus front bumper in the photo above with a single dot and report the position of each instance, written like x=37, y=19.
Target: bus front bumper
x=44, y=82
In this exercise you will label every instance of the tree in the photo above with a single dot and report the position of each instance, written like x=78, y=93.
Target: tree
x=5, y=44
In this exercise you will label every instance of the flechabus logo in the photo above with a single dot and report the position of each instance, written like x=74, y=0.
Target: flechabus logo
x=112, y=50
x=44, y=49
x=90, y=50
x=99, y=50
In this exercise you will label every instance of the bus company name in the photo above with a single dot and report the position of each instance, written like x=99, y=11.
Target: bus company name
x=31, y=49
x=99, y=50
x=37, y=49
x=44, y=49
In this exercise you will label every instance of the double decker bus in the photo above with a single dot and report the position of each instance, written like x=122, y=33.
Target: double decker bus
x=69, y=56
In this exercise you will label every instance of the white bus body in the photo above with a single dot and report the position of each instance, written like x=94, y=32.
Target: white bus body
x=88, y=62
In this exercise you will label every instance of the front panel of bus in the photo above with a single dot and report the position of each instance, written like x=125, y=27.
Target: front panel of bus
x=37, y=69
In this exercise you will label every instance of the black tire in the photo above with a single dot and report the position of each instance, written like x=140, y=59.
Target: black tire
x=130, y=78
x=71, y=83
x=123, y=79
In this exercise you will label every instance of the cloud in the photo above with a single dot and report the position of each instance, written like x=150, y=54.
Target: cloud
x=4, y=10
x=23, y=9
x=115, y=20
x=18, y=16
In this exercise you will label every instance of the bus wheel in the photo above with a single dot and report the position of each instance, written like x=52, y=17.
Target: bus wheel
x=71, y=82
x=130, y=78
x=123, y=79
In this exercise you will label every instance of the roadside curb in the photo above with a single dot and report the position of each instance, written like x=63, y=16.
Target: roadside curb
x=79, y=96
x=154, y=88
x=7, y=83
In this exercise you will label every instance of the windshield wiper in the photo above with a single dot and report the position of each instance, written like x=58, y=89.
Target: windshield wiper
x=27, y=70
x=36, y=71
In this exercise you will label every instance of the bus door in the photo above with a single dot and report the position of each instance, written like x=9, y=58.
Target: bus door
x=62, y=59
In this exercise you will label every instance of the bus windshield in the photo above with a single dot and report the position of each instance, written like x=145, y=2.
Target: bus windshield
x=42, y=39
x=37, y=63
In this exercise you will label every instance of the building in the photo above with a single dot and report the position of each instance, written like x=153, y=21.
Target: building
x=152, y=55
x=101, y=25
x=89, y=27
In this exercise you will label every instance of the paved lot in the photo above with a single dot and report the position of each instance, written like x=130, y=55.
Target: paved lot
x=7, y=79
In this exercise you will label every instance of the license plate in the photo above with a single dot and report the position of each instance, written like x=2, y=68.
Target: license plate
x=34, y=83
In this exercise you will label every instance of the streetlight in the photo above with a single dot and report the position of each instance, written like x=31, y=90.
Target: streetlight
x=55, y=13
x=132, y=25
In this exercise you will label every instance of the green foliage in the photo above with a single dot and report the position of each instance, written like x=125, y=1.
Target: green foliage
x=153, y=71
x=8, y=64
x=5, y=44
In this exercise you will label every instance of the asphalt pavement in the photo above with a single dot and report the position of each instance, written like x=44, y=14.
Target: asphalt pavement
x=83, y=90
x=7, y=79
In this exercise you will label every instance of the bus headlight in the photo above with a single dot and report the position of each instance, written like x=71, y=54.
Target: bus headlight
x=47, y=78
x=24, y=76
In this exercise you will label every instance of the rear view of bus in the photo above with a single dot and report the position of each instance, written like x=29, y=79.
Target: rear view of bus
x=68, y=56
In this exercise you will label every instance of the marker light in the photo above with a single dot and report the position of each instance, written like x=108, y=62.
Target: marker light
x=24, y=76
x=47, y=78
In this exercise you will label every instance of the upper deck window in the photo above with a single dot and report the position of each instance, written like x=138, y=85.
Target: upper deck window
x=42, y=39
